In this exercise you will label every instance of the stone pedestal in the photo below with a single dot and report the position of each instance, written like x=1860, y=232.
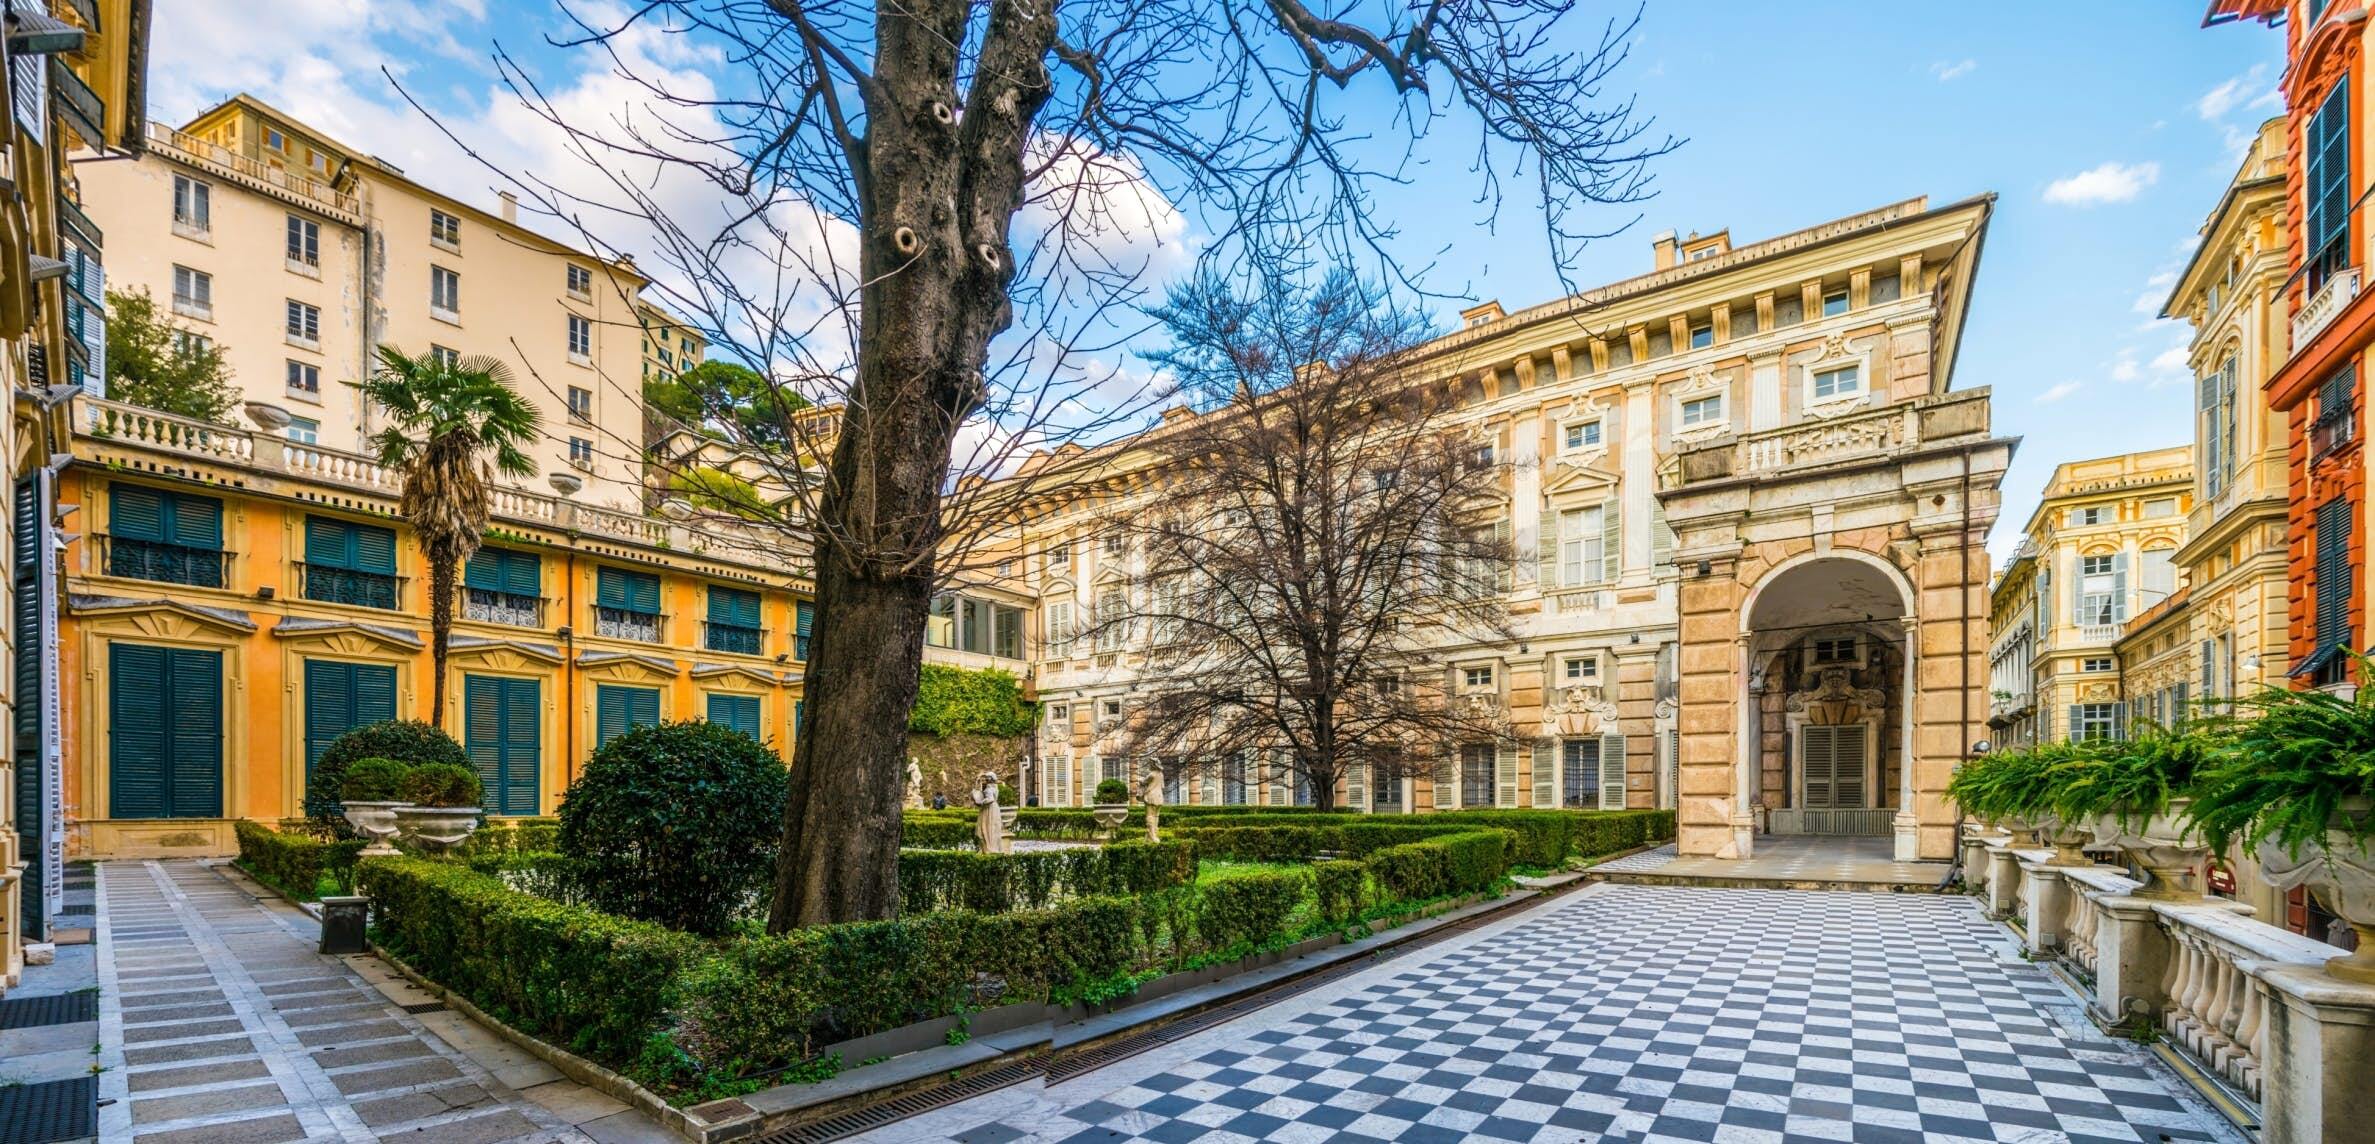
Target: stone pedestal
x=2131, y=960
x=2045, y=903
x=2003, y=880
x=2320, y=1056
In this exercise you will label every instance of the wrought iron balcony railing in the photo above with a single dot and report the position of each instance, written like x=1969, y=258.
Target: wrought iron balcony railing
x=348, y=586
x=165, y=563
x=492, y=607
x=621, y=624
x=733, y=638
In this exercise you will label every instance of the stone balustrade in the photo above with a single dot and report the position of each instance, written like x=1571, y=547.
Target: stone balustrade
x=2247, y=1003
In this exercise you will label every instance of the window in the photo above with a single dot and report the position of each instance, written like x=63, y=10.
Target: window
x=2102, y=590
x=165, y=732
x=304, y=323
x=445, y=293
x=2325, y=189
x=304, y=431
x=1834, y=303
x=2331, y=620
x=1702, y=411
x=2217, y=430
x=581, y=452
x=1702, y=337
x=1112, y=605
x=581, y=281
x=1059, y=627
x=1485, y=453
x=581, y=338
x=2159, y=507
x=1476, y=774
x=2094, y=566
x=445, y=229
x=169, y=537
x=1116, y=544
x=190, y=343
x=1840, y=382
x=305, y=242
x=1580, y=435
x=2094, y=721
x=193, y=293
x=618, y=710
x=1580, y=768
x=274, y=140
x=1833, y=650
x=803, y=628
x=738, y=712
x=2159, y=568
x=1476, y=678
x=1583, y=546
x=581, y=403
x=445, y=357
x=1579, y=669
x=2095, y=663
x=193, y=206
x=734, y=621
x=627, y=604
x=503, y=586
x=304, y=377
x=2337, y=417
x=340, y=697
x=349, y=563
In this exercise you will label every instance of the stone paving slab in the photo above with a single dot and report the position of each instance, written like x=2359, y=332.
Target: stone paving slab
x=220, y=1024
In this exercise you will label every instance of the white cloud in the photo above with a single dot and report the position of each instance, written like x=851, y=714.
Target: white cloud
x=2249, y=90
x=2108, y=183
x=2058, y=392
x=2156, y=293
x=1948, y=72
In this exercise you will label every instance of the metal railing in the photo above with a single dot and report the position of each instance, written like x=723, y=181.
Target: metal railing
x=621, y=624
x=492, y=607
x=733, y=638
x=349, y=586
x=164, y=562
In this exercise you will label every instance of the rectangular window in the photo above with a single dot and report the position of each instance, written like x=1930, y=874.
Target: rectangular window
x=305, y=431
x=503, y=586
x=2094, y=721
x=1838, y=382
x=1702, y=411
x=445, y=293
x=734, y=621
x=445, y=229
x=304, y=377
x=2095, y=565
x=1580, y=669
x=803, y=625
x=2325, y=187
x=1832, y=651
x=444, y=357
x=581, y=403
x=2333, y=591
x=2160, y=507
x=581, y=281
x=274, y=140
x=1702, y=337
x=1112, y=606
x=1583, y=545
x=193, y=293
x=1579, y=761
x=172, y=538
x=581, y=337
x=1476, y=774
x=502, y=732
x=1476, y=678
x=305, y=242
x=193, y=206
x=1581, y=435
x=304, y=323
x=627, y=605
x=2095, y=663
x=349, y=563
x=738, y=712
x=618, y=710
x=340, y=697
x=2092, y=514
x=2337, y=413
x=1006, y=635
x=1834, y=303
x=581, y=452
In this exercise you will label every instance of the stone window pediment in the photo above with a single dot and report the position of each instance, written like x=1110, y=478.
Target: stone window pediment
x=1837, y=379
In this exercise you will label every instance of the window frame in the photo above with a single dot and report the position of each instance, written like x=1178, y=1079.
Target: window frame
x=302, y=324
x=1682, y=413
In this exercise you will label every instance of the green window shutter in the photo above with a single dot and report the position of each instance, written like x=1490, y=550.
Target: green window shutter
x=643, y=707
x=523, y=756
x=1546, y=549
x=136, y=747
x=482, y=733
x=329, y=707
x=805, y=623
x=1612, y=544
x=2327, y=188
x=627, y=591
x=194, y=522
x=1612, y=771
x=375, y=549
x=195, y=706
x=734, y=607
x=135, y=513
x=618, y=710
x=329, y=543
x=740, y=712
x=165, y=732
x=501, y=570
x=2333, y=575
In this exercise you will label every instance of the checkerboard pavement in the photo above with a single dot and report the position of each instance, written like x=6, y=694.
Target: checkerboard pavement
x=1661, y=1014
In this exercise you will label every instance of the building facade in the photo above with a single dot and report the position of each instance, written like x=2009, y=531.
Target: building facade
x=75, y=74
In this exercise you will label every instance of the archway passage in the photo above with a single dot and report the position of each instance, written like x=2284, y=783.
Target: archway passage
x=1829, y=647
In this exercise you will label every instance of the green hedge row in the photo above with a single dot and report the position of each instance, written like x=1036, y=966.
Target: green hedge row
x=513, y=836
x=997, y=883
x=1453, y=864
x=1541, y=838
x=294, y=860
x=1241, y=910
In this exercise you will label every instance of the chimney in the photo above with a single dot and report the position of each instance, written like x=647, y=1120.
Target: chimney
x=1669, y=253
x=511, y=208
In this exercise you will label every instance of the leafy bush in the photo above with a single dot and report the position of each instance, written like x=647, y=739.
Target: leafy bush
x=294, y=862
x=1469, y=862
x=598, y=985
x=2287, y=763
x=1541, y=838
x=1362, y=839
x=2015, y=784
x=997, y=883
x=441, y=784
x=1598, y=833
x=404, y=740
x=1339, y=887
x=1110, y=791
x=2130, y=780
x=513, y=836
x=676, y=823
x=1248, y=909
x=937, y=830
x=956, y=701
x=374, y=780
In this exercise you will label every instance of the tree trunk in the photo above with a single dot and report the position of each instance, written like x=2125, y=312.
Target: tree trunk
x=441, y=630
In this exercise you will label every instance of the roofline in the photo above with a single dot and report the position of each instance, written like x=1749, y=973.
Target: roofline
x=2228, y=203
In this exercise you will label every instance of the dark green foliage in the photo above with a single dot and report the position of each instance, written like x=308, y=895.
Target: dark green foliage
x=1340, y=888
x=1464, y=863
x=2015, y=784
x=940, y=830
x=407, y=741
x=294, y=861
x=152, y=362
x=513, y=836
x=1262, y=843
x=1248, y=909
x=997, y=883
x=2287, y=763
x=958, y=701
x=676, y=823
x=374, y=780
x=2130, y=780
x=1362, y=839
x=1543, y=838
x=1110, y=791
x=728, y=401
x=598, y=985
x=440, y=784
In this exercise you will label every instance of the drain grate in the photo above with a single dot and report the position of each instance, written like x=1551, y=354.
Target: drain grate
x=51, y=1110
x=424, y=1007
x=50, y=1009
x=913, y=1104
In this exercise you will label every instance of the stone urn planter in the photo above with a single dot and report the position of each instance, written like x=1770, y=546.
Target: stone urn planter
x=1109, y=816
x=1008, y=817
x=437, y=828
x=2341, y=872
x=375, y=821
x=2168, y=850
x=2065, y=839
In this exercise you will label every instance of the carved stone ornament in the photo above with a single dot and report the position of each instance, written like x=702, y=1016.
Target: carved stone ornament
x=1579, y=710
x=1834, y=699
x=1664, y=711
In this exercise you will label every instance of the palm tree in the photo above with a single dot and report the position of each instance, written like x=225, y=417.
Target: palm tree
x=448, y=418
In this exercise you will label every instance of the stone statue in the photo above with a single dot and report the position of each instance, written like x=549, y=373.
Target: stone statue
x=915, y=783
x=1152, y=796
x=989, y=831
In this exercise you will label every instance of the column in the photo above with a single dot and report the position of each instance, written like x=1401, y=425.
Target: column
x=1746, y=758
x=1907, y=826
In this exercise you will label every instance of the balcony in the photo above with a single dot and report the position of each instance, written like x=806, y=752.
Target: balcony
x=275, y=182
x=733, y=638
x=163, y=562
x=348, y=586
x=491, y=607
x=2338, y=288
x=2105, y=634
x=621, y=624
x=1878, y=433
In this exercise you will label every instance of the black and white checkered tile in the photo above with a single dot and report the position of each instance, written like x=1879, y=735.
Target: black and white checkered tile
x=1672, y=1014
x=1640, y=863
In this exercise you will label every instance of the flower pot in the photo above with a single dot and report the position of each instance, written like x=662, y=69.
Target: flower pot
x=437, y=828
x=2168, y=851
x=2067, y=840
x=375, y=821
x=1109, y=816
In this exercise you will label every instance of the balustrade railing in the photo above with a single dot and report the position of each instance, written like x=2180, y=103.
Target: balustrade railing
x=164, y=562
x=349, y=586
x=621, y=624
x=491, y=607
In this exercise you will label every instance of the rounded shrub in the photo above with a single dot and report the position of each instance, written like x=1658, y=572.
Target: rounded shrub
x=441, y=784
x=374, y=780
x=676, y=824
x=1112, y=791
x=407, y=741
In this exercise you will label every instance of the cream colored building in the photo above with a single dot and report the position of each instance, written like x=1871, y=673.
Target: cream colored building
x=300, y=255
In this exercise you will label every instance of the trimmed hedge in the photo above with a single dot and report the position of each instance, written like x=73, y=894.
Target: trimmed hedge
x=937, y=830
x=1341, y=889
x=1247, y=909
x=1263, y=843
x=293, y=861
x=599, y=985
x=996, y=883
x=1453, y=864
x=512, y=836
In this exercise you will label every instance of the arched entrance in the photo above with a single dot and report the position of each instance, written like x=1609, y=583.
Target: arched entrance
x=1829, y=653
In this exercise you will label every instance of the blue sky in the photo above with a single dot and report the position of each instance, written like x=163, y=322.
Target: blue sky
x=2106, y=129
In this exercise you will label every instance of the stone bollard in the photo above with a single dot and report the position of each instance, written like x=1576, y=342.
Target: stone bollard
x=342, y=924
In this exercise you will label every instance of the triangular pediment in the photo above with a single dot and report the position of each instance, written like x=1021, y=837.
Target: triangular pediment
x=481, y=646
x=346, y=631
x=1565, y=477
x=733, y=670
x=224, y=619
x=626, y=663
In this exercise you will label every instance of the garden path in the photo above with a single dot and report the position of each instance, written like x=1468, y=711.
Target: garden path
x=220, y=1024
x=1644, y=1013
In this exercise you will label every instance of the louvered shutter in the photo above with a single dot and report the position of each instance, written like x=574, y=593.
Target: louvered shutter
x=2074, y=723
x=135, y=513
x=1546, y=774
x=484, y=570
x=136, y=740
x=2333, y=576
x=1505, y=775
x=523, y=757
x=2208, y=387
x=2119, y=588
x=329, y=707
x=740, y=712
x=1848, y=759
x=1612, y=543
x=627, y=591
x=619, y=710
x=1356, y=787
x=804, y=624
x=196, y=703
x=1673, y=764
x=1815, y=766
x=1210, y=784
x=1447, y=787
x=1546, y=549
x=482, y=735
x=1661, y=535
x=1612, y=771
x=503, y=570
x=2119, y=722
x=733, y=607
x=2326, y=189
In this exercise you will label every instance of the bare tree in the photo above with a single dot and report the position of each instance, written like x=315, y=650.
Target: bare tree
x=937, y=218
x=1319, y=535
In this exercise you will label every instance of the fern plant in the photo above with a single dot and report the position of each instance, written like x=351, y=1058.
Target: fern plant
x=2018, y=783
x=2289, y=767
x=2131, y=780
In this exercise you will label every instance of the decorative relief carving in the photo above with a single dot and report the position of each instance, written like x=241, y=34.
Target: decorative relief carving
x=1835, y=699
x=1579, y=710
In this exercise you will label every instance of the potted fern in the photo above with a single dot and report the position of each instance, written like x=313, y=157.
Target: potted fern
x=2016, y=787
x=2294, y=784
x=2132, y=794
x=443, y=805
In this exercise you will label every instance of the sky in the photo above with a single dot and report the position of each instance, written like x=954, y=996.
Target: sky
x=2107, y=131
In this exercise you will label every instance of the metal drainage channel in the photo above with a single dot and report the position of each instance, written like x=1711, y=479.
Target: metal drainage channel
x=1082, y=1063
